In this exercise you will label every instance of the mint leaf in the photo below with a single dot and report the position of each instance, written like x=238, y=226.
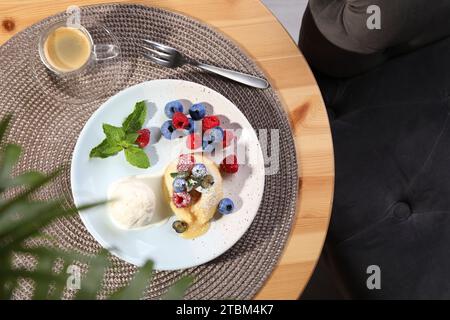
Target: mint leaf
x=180, y=174
x=131, y=138
x=192, y=183
x=135, y=121
x=137, y=157
x=105, y=149
x=113, y=134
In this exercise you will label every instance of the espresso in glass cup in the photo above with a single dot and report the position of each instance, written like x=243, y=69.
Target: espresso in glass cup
x=69, y=49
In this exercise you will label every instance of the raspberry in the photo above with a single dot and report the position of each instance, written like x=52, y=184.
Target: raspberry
x=228, y=137
x=229, y=164
x=210, y=122
x=193, y=141
x=185, y=162
x=144, y=138
x=180, y=121
x=181, y=199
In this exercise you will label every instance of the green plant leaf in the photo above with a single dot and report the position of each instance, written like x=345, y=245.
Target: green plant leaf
x=105, y=149
x=136, y=119
x=90, y=284
x=6, y=285
x=9, y=158
x=5, y=205
x=36, y=275
x=178, y=290
x=26, y=179
x=137, y=157
x=45, y=264
x=136, y=287
x=113, y=134
x=4, y=123
x=43, y=216
x=22, y=214
x=55, y=253
x=58, y=287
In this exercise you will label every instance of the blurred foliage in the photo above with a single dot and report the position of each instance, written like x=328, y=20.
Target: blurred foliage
x=22, y=218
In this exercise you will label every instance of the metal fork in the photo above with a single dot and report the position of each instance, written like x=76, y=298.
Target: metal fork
x=172, y=58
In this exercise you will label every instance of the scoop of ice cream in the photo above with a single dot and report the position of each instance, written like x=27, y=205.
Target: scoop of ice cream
x=132, y=203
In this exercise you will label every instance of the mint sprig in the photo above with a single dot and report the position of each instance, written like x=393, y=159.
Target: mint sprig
x=124, y=138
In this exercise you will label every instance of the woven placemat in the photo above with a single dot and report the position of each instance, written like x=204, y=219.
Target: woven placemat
x=48, y=128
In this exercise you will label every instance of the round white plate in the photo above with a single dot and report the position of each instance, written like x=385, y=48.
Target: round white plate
x=90, y=178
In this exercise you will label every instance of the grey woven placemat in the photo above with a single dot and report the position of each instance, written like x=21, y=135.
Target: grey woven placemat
x=48, y=128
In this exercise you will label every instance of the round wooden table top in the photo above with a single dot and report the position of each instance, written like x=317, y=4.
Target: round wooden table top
x=252, y=26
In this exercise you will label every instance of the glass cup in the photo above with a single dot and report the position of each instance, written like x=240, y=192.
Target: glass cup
x=100, y=76
x=99, y=52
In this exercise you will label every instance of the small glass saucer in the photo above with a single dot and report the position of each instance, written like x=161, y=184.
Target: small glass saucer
x=94, y=81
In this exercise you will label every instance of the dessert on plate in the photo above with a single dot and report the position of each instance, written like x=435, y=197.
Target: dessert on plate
x=193, y=187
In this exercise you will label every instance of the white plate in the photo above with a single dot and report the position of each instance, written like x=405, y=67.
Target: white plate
x=90, y=178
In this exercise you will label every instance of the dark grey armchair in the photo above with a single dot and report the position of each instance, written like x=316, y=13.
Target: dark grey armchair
x=387, y=92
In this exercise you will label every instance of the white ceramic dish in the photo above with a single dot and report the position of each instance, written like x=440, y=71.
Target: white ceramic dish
x=90, y=178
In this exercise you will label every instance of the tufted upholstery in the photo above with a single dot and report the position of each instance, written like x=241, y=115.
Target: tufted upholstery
x=391, y=134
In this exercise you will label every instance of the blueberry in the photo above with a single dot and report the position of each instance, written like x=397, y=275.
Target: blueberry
x=191, y=127
x=208, y=146
x=167, y=129
x=172, y=107
x=207, y=181
x=226, y=206
x=199, y=171
x=197, y=111
x=179, y=185
x=212, y=138
x=179, y=226
x=217, y=133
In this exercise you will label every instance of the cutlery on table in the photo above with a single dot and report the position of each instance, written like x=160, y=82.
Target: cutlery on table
x=172, y=58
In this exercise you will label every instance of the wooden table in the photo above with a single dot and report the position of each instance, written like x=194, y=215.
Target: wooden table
x=251, y=25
